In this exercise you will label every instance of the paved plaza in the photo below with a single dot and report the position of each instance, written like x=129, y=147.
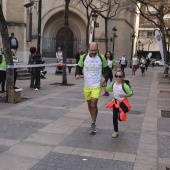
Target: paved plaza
x=49, y=129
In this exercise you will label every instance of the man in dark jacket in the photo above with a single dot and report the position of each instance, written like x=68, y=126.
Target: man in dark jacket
x=13, y=42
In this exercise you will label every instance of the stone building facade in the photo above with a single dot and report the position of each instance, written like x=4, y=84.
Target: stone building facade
x=52, y=28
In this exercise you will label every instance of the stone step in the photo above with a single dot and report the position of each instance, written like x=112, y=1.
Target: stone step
x=23, y=74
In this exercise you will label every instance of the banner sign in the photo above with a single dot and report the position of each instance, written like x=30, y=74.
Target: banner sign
x=91, y=31
x=159, y=42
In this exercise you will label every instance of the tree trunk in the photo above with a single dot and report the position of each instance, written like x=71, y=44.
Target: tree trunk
x=106, y=34
x=87, y=32
x=64, y=81
x=7, y=53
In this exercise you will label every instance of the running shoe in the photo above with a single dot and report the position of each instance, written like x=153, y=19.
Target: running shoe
x=93, y=128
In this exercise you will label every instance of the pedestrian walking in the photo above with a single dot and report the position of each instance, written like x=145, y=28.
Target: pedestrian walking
x=77, y=57
x=2, y=72
x=120, y=104
x=13, y=42
x=112, y=65
x=32, y=69
x=135, y=63
x=142, y=65
x=123, y=62
x=69, y=67
x=147, y=63
x=59, y=55
x=93, y=65
x=16, y=60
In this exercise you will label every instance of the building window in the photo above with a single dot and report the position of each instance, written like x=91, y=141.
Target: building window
x=150, y=9
x=167, y=20
x=147, y=22
x=150, y=33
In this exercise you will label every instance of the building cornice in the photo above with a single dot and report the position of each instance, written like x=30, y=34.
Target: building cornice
x=19, y=24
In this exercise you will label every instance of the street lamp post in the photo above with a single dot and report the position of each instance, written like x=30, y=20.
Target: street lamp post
x=28, y=5
x=150, y=42
x=64, y=78
x=133, y=37
x=94, y=18
x=168, y=57
x=114, y=36
x=39, y=26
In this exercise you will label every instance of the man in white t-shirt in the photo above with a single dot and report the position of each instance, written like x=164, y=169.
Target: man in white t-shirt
x=93, y=65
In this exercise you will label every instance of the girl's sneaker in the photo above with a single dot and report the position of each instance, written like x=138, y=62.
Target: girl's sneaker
x=115, y=134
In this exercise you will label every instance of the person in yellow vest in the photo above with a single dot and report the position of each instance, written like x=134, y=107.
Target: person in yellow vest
x=2, y=72
x=16, y=60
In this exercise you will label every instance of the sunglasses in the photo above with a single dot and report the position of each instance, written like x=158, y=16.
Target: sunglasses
x=116, y=76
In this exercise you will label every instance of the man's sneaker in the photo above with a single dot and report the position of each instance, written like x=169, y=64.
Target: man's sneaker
x=106, y=94
x=93, y=128
x=115, y=134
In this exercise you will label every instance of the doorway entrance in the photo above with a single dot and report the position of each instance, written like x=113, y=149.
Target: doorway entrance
x=60, y=41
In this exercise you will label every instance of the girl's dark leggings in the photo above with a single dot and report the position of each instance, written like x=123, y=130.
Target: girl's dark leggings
x=116, y=115
x=115, y=118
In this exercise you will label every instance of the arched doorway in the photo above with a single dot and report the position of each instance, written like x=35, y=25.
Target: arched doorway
x=60, y=41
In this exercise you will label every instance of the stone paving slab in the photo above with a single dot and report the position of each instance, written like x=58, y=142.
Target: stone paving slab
x=75, y=162
x=56, y=129
x=8, y=142
x=164, y=147
x=45, y=138
x=14, y=162
x=66, y=103
x=30, y=150
x=18, y=130
x=102, y=141
x=39, y=113
x=163, y=124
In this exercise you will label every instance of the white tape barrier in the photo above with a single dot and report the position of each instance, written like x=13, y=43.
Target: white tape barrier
x=37, y=65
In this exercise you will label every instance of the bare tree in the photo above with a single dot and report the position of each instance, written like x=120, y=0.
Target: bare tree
x=107, y=9
x=155, y=12
x=7, y=52
x=87, y=6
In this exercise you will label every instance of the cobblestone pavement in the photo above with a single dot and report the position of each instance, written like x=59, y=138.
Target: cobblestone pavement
x=49, y=129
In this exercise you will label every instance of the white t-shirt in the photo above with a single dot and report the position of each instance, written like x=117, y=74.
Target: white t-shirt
x=59, y=55
x=92, y=71
x=109, y=63
x=117, y=90
x=134, y=61
x=13, y=42
x=123, y=60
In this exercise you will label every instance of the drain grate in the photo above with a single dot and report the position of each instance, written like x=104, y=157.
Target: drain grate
x=165, y=113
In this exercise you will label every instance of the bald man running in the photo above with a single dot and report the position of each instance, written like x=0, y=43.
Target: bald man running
x=93, y=65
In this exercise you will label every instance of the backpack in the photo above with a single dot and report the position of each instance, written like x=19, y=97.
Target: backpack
x=127, y=82
x=0, y=58
x=38, y=60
